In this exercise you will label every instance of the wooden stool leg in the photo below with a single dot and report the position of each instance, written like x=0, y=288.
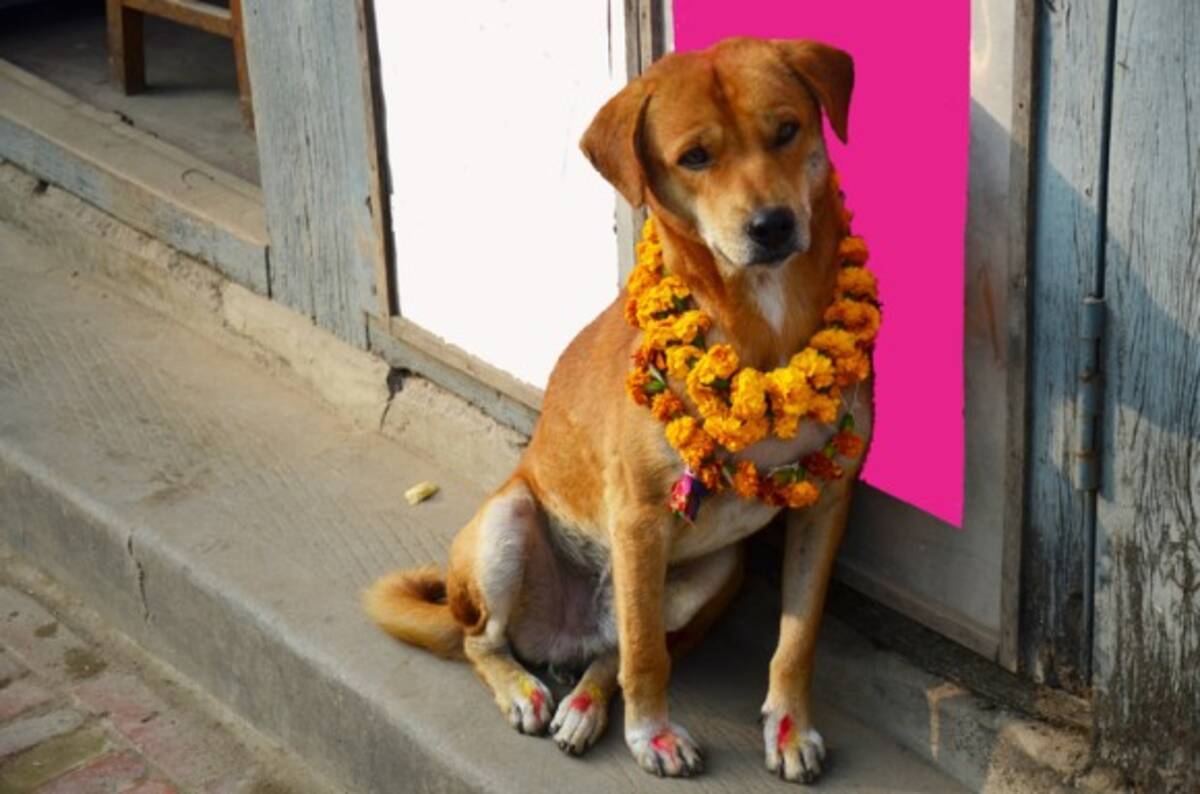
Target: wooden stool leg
x=239, y=56
x=126, y=55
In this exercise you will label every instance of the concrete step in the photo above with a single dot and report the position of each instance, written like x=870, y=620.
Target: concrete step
x=227, y=521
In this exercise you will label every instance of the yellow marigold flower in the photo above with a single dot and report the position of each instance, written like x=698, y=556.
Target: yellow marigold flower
x=660, y=299
x=641, y=278
x=690, y=324
x=666, y=406
x=733, y=433
x=789, y=391
x=786, y=426
x=801, y=494
x=853, y=369
x=657, y=334
x=748, y=394
x=718, y=363
x=650, y=229
x=709, y=402
x=834, y=342
x=680, y=359
x=824, y=407
x=680, y=430
x=745, y=480
x=648, y=251
x=692, y=443
x=857, y=282
x=635, y=384
x=853, y=249
x=814, y=366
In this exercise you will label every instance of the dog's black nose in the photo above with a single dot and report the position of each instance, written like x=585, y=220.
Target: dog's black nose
x=772, y=227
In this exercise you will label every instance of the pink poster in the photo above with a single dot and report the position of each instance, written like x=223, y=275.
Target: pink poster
x=905, y=176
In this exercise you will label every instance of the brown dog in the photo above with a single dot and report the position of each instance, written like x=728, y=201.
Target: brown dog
x=577, y=559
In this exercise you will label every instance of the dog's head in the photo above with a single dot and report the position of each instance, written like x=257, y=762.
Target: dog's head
x=728, y=143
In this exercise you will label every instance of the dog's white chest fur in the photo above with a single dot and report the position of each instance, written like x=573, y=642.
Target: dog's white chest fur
x=766, y=285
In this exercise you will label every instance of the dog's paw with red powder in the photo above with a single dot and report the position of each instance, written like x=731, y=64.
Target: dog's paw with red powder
x=794, y=750
x=530, y=705
x=664, y=749
x=580, y=719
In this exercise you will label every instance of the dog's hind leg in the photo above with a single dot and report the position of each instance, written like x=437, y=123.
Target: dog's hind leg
x=487, y=571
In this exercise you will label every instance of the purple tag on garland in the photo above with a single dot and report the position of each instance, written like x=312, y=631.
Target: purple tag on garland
x=686, y=494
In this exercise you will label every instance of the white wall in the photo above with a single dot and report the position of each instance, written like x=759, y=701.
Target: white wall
x=504, y=233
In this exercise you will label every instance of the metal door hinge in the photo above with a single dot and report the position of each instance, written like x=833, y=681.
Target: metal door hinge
x=1089, y=397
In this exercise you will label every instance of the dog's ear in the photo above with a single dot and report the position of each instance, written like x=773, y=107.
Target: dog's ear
x=611, y=141
x=829, y=74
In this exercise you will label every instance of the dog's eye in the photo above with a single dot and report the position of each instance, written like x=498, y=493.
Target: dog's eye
x=786, y=133
x=695, y=158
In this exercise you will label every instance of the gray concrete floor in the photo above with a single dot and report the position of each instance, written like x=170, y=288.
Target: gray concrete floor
x=233, y=522
x=191, y=98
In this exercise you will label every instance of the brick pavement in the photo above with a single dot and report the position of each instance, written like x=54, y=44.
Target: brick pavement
x=79, y=716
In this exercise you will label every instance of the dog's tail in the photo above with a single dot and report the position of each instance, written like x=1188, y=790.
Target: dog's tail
x=411, y=606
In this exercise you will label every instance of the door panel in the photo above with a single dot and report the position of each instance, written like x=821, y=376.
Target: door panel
x=504, y=234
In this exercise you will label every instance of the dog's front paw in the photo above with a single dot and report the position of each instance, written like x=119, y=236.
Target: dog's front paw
x=580, y=719
x=664, y=749
x=794, y=751
x=529, y=705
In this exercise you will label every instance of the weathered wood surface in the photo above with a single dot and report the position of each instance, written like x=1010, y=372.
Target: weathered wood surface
x=1066, y=262
x=137, y=178
x=315, y=123
x=1147, y=644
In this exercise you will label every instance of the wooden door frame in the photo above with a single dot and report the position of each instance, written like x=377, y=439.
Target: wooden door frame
x=647, y=35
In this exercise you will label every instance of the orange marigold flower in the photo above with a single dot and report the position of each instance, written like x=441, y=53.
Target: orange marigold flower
x=710, y=475
x=747, y=394
x=635, y=384
x=834, y=342
x=857, y=282
x=847, y=444
x=666, y=406
x=631, y=312
x=853, y=369
x=801, y=494
x=853, y=249
x=824, y=407
x=859, y=317
x=745, y=480
x=680, y=359
x=845, y=216
x=820, y=465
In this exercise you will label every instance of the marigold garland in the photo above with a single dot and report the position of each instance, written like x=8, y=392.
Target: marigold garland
x=739, y=406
